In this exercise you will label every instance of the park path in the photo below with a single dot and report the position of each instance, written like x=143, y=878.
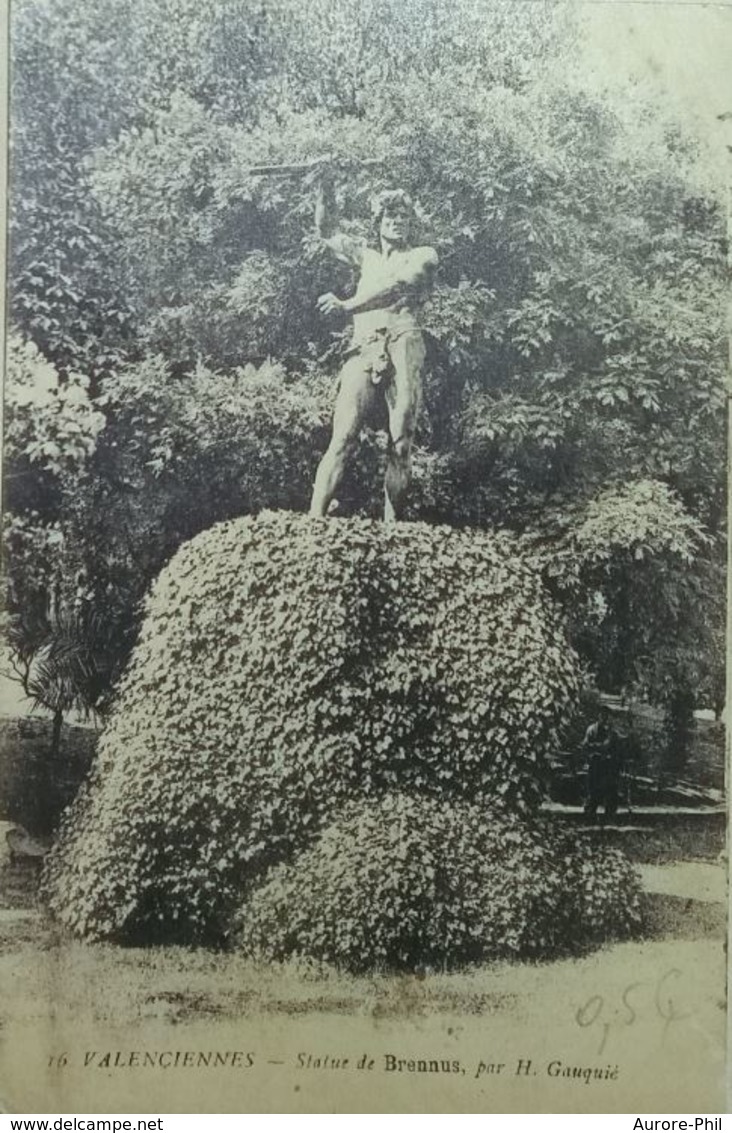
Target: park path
x=696, y=881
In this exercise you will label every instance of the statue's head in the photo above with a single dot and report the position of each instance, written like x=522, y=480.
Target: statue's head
x=393, y=213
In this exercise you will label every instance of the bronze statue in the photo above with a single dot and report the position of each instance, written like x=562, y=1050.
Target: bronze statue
x=387, y=352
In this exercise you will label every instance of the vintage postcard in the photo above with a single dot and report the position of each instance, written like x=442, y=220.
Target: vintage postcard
x=363, y=690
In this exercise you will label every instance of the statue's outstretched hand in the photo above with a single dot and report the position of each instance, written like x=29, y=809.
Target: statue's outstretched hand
x=328, y=303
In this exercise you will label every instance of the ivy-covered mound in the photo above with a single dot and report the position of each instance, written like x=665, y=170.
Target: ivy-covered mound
x=288, y=666
x=406, y=881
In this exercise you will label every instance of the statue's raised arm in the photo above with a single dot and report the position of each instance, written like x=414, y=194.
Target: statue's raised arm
x=349, y=249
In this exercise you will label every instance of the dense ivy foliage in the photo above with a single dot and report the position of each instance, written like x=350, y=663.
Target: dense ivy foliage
x=287, y=666
x=410, y=882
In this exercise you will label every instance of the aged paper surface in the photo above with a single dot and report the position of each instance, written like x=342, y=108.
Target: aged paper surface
x=633, y=1026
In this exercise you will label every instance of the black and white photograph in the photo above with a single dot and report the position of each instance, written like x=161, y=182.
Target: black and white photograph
x=362, y=675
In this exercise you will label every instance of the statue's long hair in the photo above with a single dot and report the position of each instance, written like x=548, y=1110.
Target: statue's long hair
x=379, y=204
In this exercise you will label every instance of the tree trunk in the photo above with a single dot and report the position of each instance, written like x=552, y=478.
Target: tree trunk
x=679, y=725
x=58, y=719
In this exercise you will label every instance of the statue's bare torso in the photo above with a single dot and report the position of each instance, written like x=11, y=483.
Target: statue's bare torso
x=379, y=270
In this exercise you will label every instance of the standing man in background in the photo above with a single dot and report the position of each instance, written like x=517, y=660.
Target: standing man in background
x=604, y=766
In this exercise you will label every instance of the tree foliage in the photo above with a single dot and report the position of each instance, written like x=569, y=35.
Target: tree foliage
x=576, y=340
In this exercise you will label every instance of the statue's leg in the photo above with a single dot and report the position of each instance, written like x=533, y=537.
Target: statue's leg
x=353, y=402
x=403, y=396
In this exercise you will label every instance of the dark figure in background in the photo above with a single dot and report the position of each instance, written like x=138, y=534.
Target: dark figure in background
x=604, y=751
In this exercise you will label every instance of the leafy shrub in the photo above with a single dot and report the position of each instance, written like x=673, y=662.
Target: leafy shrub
x=409, y=881
x=606, y=892
x=51, y=423
x=286, y=666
